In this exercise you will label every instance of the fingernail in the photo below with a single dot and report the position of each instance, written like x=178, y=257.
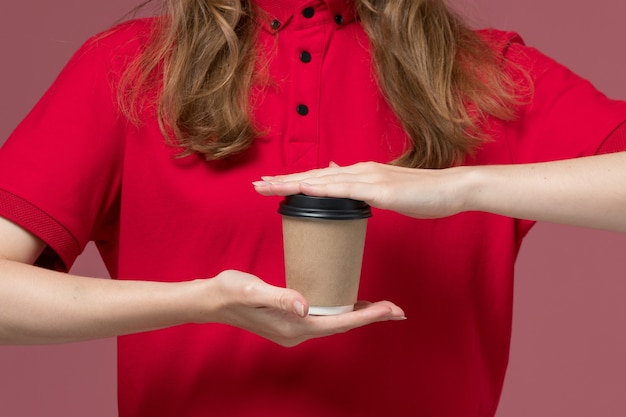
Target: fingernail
x=398, y=318
x=260, y=183
x=298, y=308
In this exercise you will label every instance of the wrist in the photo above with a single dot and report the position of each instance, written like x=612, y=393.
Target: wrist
x=198, y=301
x=467, y=188
x=497, y=189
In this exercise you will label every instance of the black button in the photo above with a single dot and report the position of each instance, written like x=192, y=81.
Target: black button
x=305, y=57
x=275, y=24
x=339, y=19
x=302, y=110
x=308, y=12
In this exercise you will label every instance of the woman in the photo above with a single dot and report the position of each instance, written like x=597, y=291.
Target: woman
x=147, y=143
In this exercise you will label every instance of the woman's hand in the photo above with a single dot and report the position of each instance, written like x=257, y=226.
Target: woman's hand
x=420, y=193
x=39, y=306
x=280, y=314
x=587, y=191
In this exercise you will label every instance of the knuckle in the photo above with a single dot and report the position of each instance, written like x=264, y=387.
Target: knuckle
x=363, y=165
x=249, y=289
x=283, y=301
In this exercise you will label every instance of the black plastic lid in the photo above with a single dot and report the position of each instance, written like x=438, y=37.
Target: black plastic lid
x=300, y=205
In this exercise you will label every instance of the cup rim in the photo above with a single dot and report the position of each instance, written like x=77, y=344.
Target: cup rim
x=331, y=208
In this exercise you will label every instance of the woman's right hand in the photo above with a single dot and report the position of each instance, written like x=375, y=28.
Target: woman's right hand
x=39, y=306
x=280, y=314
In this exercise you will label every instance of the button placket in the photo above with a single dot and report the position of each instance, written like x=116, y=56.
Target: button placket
x=308, y=45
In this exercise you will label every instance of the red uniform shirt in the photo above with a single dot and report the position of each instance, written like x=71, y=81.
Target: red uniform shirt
x=75, y=170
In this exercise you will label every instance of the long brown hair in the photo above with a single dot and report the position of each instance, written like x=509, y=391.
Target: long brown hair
x=440, y=78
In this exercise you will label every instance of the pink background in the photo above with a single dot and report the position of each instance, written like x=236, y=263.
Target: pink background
x=569, y=341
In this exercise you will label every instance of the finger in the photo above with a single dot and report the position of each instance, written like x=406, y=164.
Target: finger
x=364, y=314
x=332, y=169
x=397, y=313
x=267, y=188
x=355, y=190
x=330, y=185
x=278, y=298
x=290, y=183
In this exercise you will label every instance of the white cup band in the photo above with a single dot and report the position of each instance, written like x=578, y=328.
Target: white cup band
x=329, y=311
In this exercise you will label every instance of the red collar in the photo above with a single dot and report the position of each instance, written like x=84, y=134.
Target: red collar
x=283, y=10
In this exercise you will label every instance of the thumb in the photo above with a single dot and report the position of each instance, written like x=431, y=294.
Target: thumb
x=284, y=299
x=293, y=302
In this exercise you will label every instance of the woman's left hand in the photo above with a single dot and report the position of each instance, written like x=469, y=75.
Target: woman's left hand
x=587, y=191
x=420, y=193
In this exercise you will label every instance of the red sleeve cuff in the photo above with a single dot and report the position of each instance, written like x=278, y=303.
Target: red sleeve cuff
x=615, y=141
x=62, y=246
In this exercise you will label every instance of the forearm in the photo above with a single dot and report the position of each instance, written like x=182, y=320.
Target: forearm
x=40, y=306
x=588, y=192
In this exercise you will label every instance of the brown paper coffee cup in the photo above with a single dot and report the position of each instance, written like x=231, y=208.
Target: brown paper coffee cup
x=324, y=240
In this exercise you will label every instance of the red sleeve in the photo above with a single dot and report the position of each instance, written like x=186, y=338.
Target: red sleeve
x=615, y=141
x=565, y=116
x=60, y=170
